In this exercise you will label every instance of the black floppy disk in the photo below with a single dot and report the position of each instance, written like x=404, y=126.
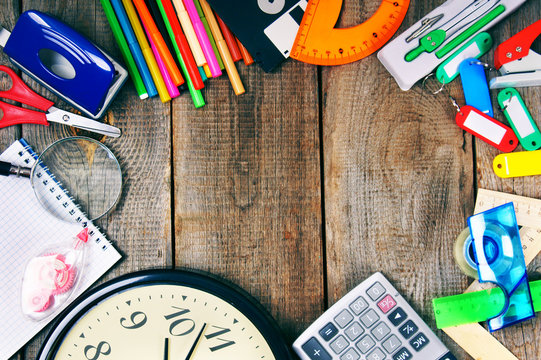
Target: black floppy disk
x=267, y=28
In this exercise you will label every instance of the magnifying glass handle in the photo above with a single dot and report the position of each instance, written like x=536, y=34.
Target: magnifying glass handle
x=7, y=169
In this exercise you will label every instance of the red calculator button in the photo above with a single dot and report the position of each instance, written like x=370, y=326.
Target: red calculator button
x=386, y=304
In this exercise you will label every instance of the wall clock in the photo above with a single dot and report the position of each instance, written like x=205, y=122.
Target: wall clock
x=165, y=314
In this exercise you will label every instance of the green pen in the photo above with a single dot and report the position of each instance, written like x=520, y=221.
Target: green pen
x=196, y=95
x=124, y=49
x=209, y=33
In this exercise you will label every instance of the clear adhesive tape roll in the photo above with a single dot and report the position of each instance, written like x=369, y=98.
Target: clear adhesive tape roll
x=463, y=254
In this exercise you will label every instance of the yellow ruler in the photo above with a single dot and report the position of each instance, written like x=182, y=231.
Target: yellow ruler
x=474, y=338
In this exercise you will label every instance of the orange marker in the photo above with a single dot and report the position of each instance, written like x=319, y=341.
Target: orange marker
x=157, y=38
x=248, y=59
x=232, y=72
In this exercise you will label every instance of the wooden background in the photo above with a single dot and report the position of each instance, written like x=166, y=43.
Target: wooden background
x=302, y=187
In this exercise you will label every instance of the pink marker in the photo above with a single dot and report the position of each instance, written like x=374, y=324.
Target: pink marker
x=171, y=88
x=203, y=38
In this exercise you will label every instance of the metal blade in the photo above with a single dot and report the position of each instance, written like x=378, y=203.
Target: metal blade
x=4, y=36
x=81, y=122
x=469, y=14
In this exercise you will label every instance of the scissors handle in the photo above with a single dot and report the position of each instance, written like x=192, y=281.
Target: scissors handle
x=20, y=92
x=13, y=115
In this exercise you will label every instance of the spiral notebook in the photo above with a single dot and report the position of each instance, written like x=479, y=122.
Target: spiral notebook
x=25, y=228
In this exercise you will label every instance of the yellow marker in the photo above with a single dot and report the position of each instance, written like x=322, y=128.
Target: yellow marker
x=147, y=51
x=232, y=72
x=522, y=163
x=189, y=31
x=206, y=69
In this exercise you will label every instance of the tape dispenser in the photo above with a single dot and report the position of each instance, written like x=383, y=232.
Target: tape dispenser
x=64, y=61
x=500, y=260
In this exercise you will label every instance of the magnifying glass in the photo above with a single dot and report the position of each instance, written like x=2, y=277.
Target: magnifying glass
x=74, y=179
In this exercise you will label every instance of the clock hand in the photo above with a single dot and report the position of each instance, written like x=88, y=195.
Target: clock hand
x=166, y=349
x=196, y=342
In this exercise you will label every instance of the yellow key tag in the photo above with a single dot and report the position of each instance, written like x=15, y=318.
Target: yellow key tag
x=522, y=163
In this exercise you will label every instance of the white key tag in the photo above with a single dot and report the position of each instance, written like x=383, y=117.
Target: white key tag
x=486, y=128
x=520, y=119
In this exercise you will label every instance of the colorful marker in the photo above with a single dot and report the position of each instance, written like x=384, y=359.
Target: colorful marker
x=180, y=43
x=147, y=51
x=196, y=95
x=209, y=33
x=189, y=31
x=124, y=49
x=136, y=51
x=201, y=34
x=146, y=18
x=171, y=89
x=232, y=72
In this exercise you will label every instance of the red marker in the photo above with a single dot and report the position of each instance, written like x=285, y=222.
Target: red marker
x=183, y=46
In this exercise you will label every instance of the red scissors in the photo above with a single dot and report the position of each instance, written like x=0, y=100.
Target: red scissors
x=20, y=92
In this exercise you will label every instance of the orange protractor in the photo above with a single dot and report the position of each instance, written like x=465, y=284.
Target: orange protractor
x=318, y=42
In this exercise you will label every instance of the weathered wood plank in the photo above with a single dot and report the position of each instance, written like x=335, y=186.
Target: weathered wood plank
x=8, y=17
x=522, y=339
x=247, y=189
x=398, y=179
x=140, y=226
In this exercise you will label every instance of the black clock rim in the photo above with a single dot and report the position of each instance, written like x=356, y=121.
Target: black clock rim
x=226, y=291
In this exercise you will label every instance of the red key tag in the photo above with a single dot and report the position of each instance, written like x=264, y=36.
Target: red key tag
x=486, y=128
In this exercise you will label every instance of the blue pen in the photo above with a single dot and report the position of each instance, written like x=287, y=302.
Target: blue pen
x=134, y=47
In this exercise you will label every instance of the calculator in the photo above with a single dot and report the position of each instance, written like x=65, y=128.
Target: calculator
x=371, y=322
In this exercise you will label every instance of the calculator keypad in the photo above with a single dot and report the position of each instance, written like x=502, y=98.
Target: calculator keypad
x=372, y=322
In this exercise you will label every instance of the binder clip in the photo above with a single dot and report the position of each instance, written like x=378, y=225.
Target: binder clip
x=517, y=63
x=500, y=260
x=64, y=61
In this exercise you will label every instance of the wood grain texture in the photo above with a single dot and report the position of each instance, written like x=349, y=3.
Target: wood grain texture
x=247, y=189
x=140, y=225
x=302, y=187
x=398, y=181
x=523, y=339
x=8, y=17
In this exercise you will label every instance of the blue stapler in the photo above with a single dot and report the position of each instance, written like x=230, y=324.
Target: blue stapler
x=64, y=61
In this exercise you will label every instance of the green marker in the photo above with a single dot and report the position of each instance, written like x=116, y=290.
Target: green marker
x=209, y=33
x=434, y=39
x=124, y=49
x=476, y=306
x=196, y=95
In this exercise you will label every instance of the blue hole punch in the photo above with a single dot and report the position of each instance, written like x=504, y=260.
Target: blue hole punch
x=500, y=260
x=65, y=62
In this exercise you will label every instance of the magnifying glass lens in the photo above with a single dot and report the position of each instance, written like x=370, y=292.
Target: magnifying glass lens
x=81, y=171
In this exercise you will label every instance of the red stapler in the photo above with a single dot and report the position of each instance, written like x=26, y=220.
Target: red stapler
x=518, y=64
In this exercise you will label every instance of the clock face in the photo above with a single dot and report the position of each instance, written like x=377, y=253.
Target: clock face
x=164, y=320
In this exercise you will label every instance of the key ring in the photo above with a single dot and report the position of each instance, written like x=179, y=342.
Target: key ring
x=441, y=88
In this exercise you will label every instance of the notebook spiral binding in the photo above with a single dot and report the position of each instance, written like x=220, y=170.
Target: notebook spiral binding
x=75, y=211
